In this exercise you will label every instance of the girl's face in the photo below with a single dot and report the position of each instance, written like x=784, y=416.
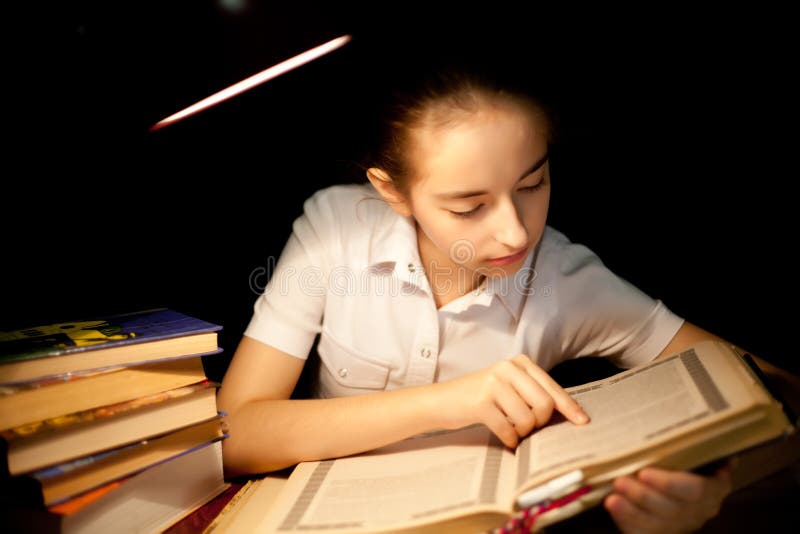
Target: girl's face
x=482, y=191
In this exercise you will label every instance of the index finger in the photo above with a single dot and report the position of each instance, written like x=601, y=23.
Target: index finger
x=564, y=403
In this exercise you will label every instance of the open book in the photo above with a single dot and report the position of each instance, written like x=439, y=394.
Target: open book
x=679, y=412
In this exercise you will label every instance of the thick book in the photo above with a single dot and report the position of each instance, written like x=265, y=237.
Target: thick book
x=39, y=400
x=62, y=482
x=103, y=342
x=149, y=501
x=53, y=441
x=679, y=412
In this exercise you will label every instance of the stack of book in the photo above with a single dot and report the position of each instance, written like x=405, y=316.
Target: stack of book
x=109, y=424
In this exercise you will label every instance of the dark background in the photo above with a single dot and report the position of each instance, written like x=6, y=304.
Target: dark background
x=672, y=162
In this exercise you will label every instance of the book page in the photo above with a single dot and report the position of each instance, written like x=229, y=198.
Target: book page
x=634, y=410
x=416, y=481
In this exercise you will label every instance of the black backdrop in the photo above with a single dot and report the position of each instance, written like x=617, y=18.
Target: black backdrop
x=671, y=164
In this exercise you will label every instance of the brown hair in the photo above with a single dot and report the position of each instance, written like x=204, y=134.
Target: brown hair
x=439, y=99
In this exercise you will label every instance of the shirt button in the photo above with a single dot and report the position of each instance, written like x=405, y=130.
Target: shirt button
x=426, y=352
x=411, y=268
x=343, y=372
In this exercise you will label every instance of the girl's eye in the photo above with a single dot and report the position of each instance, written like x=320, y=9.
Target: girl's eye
x=468, y=213
x=531, y=188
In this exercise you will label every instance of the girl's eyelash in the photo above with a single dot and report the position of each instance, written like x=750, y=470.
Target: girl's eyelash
x=530, y=188
x=468, y=213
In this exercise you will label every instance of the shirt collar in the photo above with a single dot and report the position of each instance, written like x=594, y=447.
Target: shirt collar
x=509, y=291
x=395, y=248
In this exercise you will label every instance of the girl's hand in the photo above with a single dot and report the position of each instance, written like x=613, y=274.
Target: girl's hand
x=658, y=500
x=511, y=398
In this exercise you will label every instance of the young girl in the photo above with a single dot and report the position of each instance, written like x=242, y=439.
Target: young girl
x=441, y=298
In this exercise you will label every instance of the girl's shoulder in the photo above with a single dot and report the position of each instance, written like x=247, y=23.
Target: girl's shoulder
x=560, y=254
x=348, y=215
x=347, y=201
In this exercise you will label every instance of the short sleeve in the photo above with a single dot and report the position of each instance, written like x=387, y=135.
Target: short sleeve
x=288, y=314
x=601, y=314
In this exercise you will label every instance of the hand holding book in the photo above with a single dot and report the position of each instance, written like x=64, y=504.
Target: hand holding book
x=655, y=496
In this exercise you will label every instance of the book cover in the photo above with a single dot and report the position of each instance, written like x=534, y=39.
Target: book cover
x=51, y=442
x=29, y=402
x=67, y=421
x=55, y=350
x=65, y=482
x=102, y=332
x=148, y=501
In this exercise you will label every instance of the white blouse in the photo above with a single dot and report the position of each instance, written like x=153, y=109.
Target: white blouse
x=351, y=273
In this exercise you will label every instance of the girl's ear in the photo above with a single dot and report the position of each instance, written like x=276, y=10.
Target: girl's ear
x=385, y=185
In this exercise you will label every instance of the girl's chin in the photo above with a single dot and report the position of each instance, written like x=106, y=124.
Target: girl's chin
x=493, y=271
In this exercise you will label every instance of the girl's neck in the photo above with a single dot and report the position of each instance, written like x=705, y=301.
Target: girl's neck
x=448, y=279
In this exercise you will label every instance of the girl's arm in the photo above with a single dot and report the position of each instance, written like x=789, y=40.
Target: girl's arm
x=270, y=431
x=787, y=383
x=687, y=335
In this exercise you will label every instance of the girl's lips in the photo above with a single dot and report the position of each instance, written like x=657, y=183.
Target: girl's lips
x=505, y=260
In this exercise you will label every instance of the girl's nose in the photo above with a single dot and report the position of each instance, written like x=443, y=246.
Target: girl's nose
x=510, y=229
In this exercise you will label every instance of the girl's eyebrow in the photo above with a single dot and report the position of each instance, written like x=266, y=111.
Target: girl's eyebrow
x=467, y=194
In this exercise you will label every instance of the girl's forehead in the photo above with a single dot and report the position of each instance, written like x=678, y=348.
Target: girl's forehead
x=445, y=119
x=488, y=125
x=487, y=143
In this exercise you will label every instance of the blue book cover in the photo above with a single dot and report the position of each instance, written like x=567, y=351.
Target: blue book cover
x=69, y=337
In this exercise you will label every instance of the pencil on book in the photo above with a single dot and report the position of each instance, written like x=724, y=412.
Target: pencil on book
x=549, y=489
